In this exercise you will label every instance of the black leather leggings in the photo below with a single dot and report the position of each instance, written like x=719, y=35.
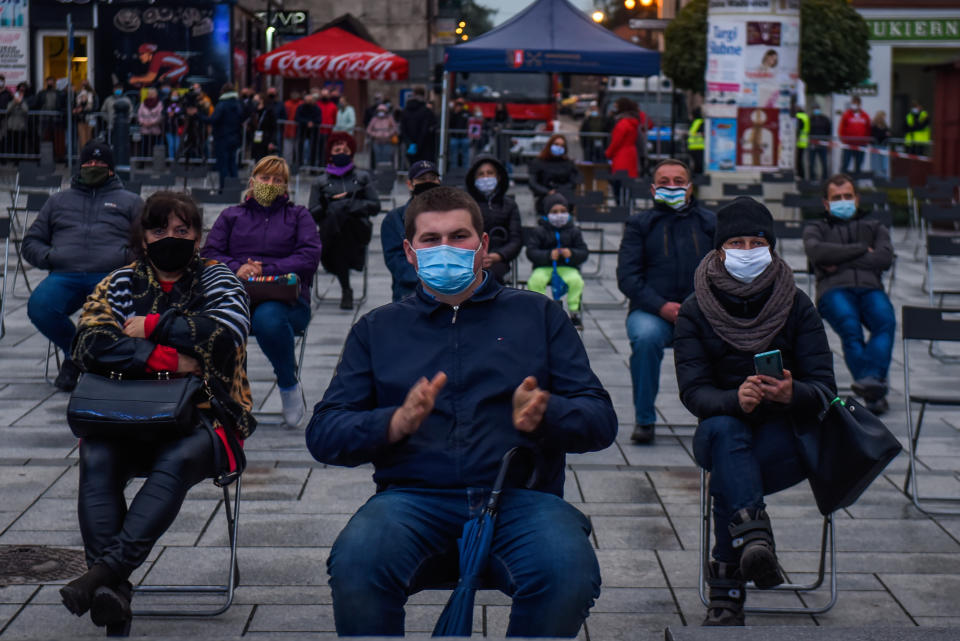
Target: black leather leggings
x=119, y=536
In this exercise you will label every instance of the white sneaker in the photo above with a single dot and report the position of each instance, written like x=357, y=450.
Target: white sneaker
x=294, y=406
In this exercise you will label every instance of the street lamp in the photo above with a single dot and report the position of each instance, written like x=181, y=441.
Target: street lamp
x=646, y=3
x=597, y=16
x=464, y=37
x=629, y=4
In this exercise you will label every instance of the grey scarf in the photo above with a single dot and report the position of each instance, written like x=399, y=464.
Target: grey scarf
x=745, y=334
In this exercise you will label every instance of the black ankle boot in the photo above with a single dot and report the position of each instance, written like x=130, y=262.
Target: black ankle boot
x=78, y=594
x=726, y=595
x=111, y=608
x=346, y=299
x=753, y=536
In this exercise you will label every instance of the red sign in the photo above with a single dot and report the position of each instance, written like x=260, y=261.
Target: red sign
x=333, y=54
x=517, y=58
x=758, y=137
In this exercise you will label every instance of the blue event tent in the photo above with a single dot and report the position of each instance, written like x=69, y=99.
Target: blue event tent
x=552, y=36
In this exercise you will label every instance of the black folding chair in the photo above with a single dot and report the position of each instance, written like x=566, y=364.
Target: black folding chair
x=224, y=590
x=735, y=190
x=271, y=417
x=782, y=176
x=158, y=181
x=828, y=546
x=5, y=237
x=18, y=228
x=931, y=325
x=799, y=203
x=215, y=197
x=792, y=230
x=385, y=178
x=940, y=246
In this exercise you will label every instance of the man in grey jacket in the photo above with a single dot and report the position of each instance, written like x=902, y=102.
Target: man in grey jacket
x=80, y=235
x=849, y=252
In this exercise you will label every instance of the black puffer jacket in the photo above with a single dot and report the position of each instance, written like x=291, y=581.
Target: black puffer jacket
x=552, y=174
x=846, y=245
x=709, y=370
x=543, y=239
x=501, y=216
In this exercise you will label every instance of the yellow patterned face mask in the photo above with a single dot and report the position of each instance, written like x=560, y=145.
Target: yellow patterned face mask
x=265, y=193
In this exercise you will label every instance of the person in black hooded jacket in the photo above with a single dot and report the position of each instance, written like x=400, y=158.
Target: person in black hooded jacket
x=553, y=171
x=745, y=302
x=487, y=182
x=557, y=243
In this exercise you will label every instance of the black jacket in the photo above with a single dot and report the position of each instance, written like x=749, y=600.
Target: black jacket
x=264, y=121
x=345, y=227
x=547, y=175
x=308, y=112
x=820, y=125
x=845, y=244
x=83, y=229
x=543, y=239
x=418, y=125
x=501, y=216
x=709, y=370
x=227, y=121
x=659, y=253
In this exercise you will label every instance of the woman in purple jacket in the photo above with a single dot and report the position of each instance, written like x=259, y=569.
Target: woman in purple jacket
x=267, y=235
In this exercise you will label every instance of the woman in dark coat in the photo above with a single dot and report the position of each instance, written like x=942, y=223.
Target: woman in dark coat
x=342, y=199
x=263, y=129
x=487, y=182
x=553, y=171
x=745, y=303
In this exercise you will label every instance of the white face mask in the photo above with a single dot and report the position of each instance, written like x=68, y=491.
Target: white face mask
x=746, y=264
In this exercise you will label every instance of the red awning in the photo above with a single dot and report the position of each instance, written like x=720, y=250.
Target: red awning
x=333, y=54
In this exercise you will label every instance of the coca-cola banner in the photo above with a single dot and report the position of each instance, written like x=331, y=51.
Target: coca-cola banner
x=178, y=43
x=333, y=54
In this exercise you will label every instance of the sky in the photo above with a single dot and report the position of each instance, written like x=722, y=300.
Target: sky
x=506, y=9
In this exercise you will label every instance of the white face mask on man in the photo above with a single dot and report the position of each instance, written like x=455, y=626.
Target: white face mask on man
x=746, y=264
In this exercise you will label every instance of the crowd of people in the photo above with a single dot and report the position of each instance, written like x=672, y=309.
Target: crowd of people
x=433, y=388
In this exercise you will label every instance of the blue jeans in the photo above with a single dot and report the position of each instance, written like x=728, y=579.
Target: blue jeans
x=274, y=324
x=226, y=159
x=459, y=147
x=851, y=157
x=745, y=464
x=173, y=145
x=818, y=154
x=648, y=335
x=848, y=309
x=55, y=298
x=541, y=556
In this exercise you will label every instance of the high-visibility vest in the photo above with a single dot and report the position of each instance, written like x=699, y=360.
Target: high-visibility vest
x=694, y=137
x=920, y=136
x=803, y=137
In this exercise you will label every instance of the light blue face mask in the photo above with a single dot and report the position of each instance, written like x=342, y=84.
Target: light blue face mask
x=486, y=184
x=843, y=209
x=673, y=197
x=445, y=269
x=557, y=150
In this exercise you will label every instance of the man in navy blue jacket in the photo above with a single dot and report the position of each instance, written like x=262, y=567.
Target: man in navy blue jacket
x=433, y=390
x=659, y=253
x=421, y=176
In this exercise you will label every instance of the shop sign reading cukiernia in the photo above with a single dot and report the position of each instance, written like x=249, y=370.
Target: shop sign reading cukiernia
x=930, y=29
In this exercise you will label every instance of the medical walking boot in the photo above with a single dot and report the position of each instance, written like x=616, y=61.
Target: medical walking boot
x=726, y=595
x=753, y=537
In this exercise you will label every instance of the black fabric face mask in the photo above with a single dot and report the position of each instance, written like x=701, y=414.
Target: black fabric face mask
x=171, y=254
x=340, y=160
x=422, y=187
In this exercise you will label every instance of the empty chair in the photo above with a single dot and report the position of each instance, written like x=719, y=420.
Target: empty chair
x=154, y=180
x=212, y=196
x=927, y=325
x=734, y=190
x=940, y=246
x=19, y=223
x=782, y=176
x=5, y=237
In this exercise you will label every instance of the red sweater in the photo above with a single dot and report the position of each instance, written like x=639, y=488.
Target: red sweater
x=854, y=127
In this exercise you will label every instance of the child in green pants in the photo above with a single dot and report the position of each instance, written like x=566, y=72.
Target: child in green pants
x=557, y=241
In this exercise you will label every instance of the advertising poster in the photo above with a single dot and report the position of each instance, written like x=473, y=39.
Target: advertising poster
x=179, y=44
x=14, y=42
x=726, y=41
x=722, y=144
x=770, y=64
x=758, y=132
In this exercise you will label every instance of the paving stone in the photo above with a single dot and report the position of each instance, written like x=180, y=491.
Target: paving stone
x=282, y=530
x=924, y=594
x=634, y=533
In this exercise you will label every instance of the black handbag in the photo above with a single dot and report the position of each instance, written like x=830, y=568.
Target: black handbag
x=134, y=409
x=843, y=451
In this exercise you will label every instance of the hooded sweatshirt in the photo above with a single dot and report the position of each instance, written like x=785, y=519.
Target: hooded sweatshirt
x=501, y=216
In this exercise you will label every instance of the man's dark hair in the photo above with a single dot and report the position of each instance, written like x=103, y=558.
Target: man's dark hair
x=837, y=180
x=156, y=213
x=671, y=161
x=441, y=199
x=226, y=88
x=624, y=105
x=419, y=91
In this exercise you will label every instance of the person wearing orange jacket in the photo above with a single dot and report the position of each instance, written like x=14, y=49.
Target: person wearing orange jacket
x=622, y=150
x=854, y=129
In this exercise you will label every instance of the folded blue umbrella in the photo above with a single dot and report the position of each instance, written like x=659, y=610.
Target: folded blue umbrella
x=557, y=284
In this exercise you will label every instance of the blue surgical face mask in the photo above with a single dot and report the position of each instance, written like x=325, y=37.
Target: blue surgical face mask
x=746, y=264
x=673, y=197
x=558, y=218
x=117, y=92
x=817, y=112
x=843, y=209
x=557, y=150
x=445, y=269
x=486, y=184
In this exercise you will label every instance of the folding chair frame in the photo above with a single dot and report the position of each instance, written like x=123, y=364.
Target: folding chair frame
x=927, y=505
x=364, y=279
x=226, y=591
x=46, y=363
x=260, y=414
x=827, y=535
x=5, y=234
